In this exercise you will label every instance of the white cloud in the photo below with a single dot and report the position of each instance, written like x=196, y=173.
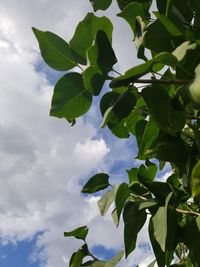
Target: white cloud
x=44, y=159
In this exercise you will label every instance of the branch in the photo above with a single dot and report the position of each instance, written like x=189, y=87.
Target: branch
x=188, y=212
x=162, y=81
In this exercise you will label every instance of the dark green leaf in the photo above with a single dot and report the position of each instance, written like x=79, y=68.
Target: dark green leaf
x=96, y=183
x=167, y=118
x=133, y=222
x=100, y=4
x=85, y=33
x=191, y=237
x=79, y=233
x=102, y=53
x=55, y=51
x=122, y=195
x=93, y=79
x=147, y=173
x=70, y=99
x=169, y=148
x=195, y=180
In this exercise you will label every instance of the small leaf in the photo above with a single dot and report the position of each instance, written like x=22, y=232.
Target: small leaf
x=70, y=99
x=85, y=33
x=133, y=222
x=55, y=51
x=79, y=233
x=106, y=201
x=122, y=195
x=96, y=183
x=195, y=180
x=100, y=4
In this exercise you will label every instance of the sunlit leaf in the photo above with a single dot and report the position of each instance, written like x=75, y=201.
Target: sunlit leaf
x=70, y=99
x=55, y=51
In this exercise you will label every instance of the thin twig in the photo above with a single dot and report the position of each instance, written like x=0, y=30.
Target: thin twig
x=188, y=212
x=161, y=81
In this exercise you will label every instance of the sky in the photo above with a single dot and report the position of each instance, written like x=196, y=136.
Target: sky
x=44, y=161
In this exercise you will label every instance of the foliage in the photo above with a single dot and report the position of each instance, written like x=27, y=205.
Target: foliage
x=164, y=117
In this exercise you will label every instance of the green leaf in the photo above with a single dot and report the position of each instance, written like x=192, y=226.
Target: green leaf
x=85, y=33
x=157, y=42
x=79, y=256
x=135, y=73
x=150, y=134
x=147, y=173
x=131, y=12
x=100, y=4
x=159, y=254
x=169, y=26
x=132, y=175
x=167, y=118
x=133, y=222
x=122, y=195
x=70, y=99
x=195, y=180
x=55, y=51
x=79, y=233
x=146, y=204
x=102, y=53
x=159, y=189
x=101, y=58
x=93, y=79
x=165, y=229
x=119, y=105
x=191, y=237
x=96, y=183
x=106, y=201
x=160, y=227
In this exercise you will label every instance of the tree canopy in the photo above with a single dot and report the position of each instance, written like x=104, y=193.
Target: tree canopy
x=163, y=115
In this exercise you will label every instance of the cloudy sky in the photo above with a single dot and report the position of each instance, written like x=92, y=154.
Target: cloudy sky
x=44, y=161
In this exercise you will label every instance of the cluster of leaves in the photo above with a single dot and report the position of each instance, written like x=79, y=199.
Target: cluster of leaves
x=164, y=116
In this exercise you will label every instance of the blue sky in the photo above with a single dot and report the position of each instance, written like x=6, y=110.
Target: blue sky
x=44, y=160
